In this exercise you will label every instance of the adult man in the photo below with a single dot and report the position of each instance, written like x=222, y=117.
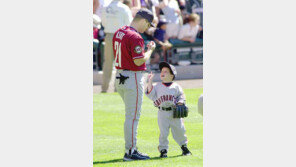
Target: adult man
x=130, y=61
x=114, y=16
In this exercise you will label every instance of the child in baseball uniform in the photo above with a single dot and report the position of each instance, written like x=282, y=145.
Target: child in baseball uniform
x=165, y=96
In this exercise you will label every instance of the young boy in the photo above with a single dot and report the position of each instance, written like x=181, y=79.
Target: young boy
x=165, y=96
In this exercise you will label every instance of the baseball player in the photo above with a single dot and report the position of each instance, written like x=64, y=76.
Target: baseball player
x=130, y=58
x=166, y=95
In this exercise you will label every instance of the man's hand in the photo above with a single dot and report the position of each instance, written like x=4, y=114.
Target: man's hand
x=151, y=45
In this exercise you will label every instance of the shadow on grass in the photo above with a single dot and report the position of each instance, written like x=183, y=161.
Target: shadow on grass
x=121, y=160
x=110, y=161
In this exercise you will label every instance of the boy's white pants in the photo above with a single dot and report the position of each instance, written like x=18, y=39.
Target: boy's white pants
x=165, y=122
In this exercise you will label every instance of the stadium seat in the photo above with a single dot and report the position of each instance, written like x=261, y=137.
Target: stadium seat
x=185, y=51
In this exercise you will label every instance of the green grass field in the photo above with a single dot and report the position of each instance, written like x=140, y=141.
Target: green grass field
x=108, y=141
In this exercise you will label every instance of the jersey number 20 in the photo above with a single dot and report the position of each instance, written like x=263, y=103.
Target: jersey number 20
x=118, y=54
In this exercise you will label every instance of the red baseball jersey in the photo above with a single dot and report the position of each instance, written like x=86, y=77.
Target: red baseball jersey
x=128, y=45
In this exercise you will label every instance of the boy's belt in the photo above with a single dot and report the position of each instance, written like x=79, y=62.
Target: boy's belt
x=165, y=109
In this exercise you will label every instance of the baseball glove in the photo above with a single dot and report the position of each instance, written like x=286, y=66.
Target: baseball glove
x=180, y=111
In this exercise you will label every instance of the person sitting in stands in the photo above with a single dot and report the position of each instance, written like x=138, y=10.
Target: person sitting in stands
x=189, y=30
x=161, y=39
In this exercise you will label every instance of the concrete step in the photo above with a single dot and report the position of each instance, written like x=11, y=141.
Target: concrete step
x=183, y=72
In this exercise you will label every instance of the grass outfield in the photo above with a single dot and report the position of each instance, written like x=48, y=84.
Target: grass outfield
x=108, y=141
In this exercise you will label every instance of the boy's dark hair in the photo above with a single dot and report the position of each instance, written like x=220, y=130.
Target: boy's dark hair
x=171, y=68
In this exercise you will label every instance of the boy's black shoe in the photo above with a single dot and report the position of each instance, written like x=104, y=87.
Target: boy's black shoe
x=185, y=150
x=163, y=153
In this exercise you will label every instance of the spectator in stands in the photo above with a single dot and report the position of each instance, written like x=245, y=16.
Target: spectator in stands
x=128, y=3
x=100, y=5
x=161, y=41
x=159, y=34
x=182, y=6
x=136, y=5
x=114, y=16
x=96, y=4
x=96, y=25
x=171, y=11
x=188, y=31
x=151, y=4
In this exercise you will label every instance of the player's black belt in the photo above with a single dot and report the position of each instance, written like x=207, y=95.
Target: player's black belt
x=166, y=109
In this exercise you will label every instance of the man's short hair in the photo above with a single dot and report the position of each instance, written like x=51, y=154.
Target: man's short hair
x=138, y=17
x=145, y=14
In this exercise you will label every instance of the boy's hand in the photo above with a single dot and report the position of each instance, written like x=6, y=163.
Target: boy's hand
x=149, y=84
x=150, y=77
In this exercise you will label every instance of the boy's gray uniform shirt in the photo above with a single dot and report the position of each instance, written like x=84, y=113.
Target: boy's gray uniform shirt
x=168, y=96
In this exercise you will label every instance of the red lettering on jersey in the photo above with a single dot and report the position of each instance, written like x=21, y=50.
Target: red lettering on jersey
x=158, y=103
x=119, y=35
